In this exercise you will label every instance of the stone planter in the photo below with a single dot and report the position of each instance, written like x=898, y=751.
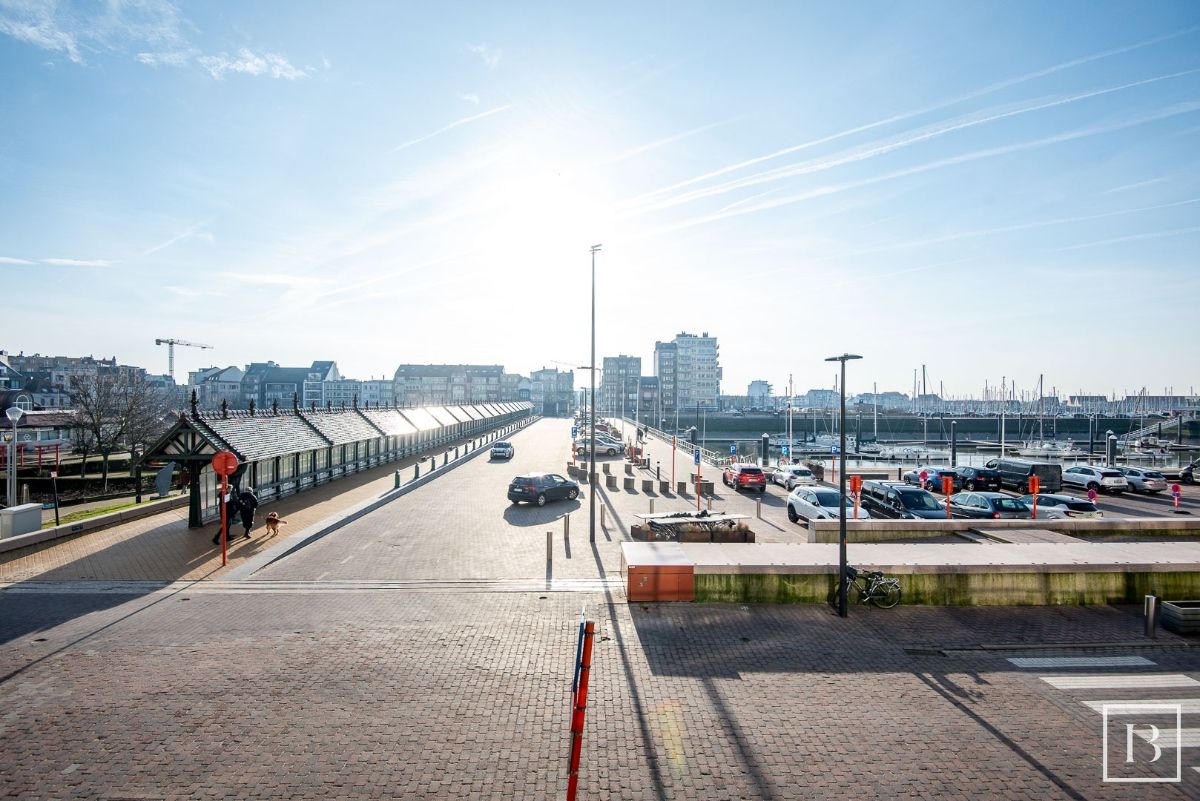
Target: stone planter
x=1181, y=617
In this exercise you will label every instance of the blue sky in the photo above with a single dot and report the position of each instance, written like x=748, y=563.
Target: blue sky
x=991, y=190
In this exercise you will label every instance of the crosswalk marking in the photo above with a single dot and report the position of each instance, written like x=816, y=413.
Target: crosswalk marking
x=1120, y=681
x=1079, y=661
x=1170, y=738
x=1187, y=706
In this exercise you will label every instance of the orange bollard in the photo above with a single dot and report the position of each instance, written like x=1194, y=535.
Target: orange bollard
x=580, y=710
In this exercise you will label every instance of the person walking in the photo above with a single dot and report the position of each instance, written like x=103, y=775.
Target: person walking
x=248, y=503
x=232, y=509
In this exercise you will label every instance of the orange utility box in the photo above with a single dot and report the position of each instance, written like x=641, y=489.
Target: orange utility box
x=657, y=571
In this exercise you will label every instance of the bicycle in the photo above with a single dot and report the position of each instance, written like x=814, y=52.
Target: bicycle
x=873, y=587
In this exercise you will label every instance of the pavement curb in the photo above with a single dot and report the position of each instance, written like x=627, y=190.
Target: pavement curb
x=305, y=537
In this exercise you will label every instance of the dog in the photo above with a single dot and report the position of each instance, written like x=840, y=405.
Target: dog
x=273, y=524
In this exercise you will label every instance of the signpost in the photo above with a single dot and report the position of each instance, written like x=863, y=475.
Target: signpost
x=733, y=449
x=1176, y=491
x=224, y=464
x=924, y=476
x=855, y=490
x=1035, y=486
x=1091, y=495
x=696, y=461
x=947, y=490
x=54, y=484
x=672, y=460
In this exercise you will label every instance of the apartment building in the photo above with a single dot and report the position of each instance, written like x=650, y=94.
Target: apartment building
x=619, y=382
x=436, y=384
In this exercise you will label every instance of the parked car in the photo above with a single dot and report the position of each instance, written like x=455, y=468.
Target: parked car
x=979, y=478
x=503, y=450
x=1015, y=474
x=1140, y=479
x=994, y=505
x=1059, y=507
x=818, y=503
x=933, y=478
x=792, y=475
x=538, y=488
x=1101, y=479
x=1188, y=474
x=897, y=500
x=583, y=446
x=745, y=476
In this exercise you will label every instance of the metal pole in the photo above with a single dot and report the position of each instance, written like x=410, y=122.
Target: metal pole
x=842, y=610
x=592, y=414
x=954, y=443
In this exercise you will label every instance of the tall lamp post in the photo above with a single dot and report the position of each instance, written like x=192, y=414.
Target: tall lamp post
x=592, y=415
x=14, y=414
x=845, y=357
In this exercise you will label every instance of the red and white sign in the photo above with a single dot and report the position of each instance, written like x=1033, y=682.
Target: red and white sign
x=1035, y=485
x=224, y=463
x=1176, y=490
x=1092, y=496
x=54, y=474
x=924, y=477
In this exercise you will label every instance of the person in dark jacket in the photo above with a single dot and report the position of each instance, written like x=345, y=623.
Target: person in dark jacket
x=233, y=507
x=248, y=502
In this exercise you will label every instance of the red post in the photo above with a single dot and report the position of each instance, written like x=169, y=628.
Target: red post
x=672, y=463
x=224, y=527
x=1035, y=507
x=56, y=447
x=697, y=488
x=577, y=716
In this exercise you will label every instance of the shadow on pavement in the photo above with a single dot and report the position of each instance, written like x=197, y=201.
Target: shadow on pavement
x=526, y=515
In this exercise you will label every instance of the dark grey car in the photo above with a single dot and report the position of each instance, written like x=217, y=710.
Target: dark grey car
x=993, y=505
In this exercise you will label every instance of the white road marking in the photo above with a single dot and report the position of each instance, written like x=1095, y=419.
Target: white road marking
x=1188, y=706
x=1079, y=661
x=1145, y=680
x=347, y=559
x=323, y=575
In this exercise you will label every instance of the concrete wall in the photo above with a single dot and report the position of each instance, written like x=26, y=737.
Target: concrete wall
x=894, y=530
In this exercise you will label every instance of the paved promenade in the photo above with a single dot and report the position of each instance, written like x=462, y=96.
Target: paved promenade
x=425, y=651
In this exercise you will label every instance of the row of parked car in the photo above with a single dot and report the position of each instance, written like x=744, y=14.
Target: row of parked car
x=1015, y=474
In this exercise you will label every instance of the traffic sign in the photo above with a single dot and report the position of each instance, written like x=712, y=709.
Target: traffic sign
x=1092, y=495
x=834, y=449
x=224, y=463
x=696, y=457
x=1035, y=485
x=924, y=477
x=1176, y=490
x=785, y=450
x=733, y=448
x=574, y=432
x=947, y=485
x=54, y=474
x=855, y=484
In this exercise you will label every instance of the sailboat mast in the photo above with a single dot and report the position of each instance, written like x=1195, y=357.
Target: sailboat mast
x=1041, y=410
x=875, y=396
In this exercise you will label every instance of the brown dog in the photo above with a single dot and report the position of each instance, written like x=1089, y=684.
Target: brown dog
x=273, y=524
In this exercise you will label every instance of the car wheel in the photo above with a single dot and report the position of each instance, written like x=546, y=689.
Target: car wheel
x=792, y=514
x=1024, y=488
x=928, y=486
x=612, y=452
x=763, y=488
x=541, y=500
x=572, y=494
x=970, y=486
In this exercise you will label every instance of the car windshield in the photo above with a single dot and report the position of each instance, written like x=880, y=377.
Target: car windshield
x=1081, y=506
x=1153, y=474
x=500, y=445
x=1008, y=504
x=752, y=471
x=1109, y=474
x=918, y=500
x=829, y=498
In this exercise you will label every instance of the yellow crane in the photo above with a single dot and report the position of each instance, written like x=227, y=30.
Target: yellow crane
x=171, y=343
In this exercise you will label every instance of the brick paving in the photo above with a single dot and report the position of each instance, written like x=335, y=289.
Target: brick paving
x=203, y=691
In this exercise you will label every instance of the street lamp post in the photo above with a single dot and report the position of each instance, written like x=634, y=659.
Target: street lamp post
x=592, y=415
x=842, y=611
x=14, y=414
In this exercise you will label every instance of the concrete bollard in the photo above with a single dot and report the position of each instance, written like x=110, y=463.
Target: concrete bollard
x=397, y=479
x=629, y=470
x=628, y=484
x=445, y=458
x=681, y=488
x=647, y=485
x=594, y=478
x=758, y=508
x=610, y=481
x=664, y=488
x=456, y=454
x=605, y=468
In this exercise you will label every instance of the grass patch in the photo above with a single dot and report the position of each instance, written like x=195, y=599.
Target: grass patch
x=75, y=517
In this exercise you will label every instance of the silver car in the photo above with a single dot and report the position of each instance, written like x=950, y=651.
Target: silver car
x=1061, y=507
x=1101, y=479
x=1142, y=480
x=792, y=475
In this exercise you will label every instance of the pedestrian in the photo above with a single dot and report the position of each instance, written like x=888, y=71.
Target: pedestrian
x=248, y=502
x=232, y=509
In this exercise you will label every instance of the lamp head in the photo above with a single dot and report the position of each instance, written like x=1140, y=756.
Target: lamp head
x=14, y=413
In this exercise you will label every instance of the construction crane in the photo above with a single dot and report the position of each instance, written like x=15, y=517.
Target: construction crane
x=171, y=343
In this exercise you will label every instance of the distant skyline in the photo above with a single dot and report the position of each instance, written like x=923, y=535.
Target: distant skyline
x=992, y=190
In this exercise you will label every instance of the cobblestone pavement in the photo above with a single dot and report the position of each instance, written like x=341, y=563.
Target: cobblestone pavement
x=412, y=654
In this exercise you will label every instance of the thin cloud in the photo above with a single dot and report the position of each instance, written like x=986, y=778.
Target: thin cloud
x=194, y=231
x=908, y=139
x=1172, y=111
x=973, y=95
x=491, y=55
x=247, y=62
x=670, y=140
x=12, y=260
x=169, y=58
x=273, y=279
x=1132, y=238
x=78, y=262
x=452, y=126
x=190, y=292
x=471, y=98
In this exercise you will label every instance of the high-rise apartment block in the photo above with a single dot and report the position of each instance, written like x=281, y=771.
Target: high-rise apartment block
x=689, y=372
x=619, y=384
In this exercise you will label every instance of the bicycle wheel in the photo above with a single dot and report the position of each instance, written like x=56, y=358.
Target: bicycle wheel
x=886, y=594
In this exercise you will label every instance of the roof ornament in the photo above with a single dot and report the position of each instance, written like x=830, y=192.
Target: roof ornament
x=252, y=405
x=224, y=409
x=355, y=401
x=313, y=406
x=274, y=405
x=296, y=402
x=343, y=404
x=194, y=401
x=329, y=406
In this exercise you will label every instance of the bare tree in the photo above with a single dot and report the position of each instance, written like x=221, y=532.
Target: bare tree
x=115, y=411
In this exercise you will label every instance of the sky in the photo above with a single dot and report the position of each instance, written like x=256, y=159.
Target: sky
x=992, y=190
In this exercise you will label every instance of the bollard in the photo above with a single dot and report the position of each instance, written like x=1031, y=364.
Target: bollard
x=456, y=453
x=445, y=458
x=710, y=503
x=758, y=508
x=566, y=525
x=397, y=479
x=549, y=548
x=416, y=471
x=603, y=515
x=1151, y=612
x=651, y=506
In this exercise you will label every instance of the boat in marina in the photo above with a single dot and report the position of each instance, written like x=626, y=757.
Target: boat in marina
x=1050, y=449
